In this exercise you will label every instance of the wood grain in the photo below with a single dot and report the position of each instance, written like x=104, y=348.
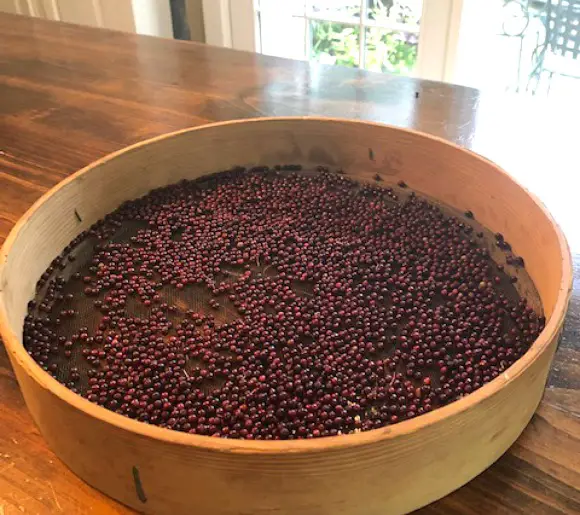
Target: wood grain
x=69, y=95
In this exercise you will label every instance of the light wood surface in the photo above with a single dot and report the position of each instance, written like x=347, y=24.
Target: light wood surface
x=391, y=470
x=69, y=95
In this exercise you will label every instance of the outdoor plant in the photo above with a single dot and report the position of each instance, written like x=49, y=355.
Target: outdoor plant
x=386, y=51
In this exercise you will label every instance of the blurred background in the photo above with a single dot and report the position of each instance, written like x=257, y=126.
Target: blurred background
x=524, y=47
x=513, y=45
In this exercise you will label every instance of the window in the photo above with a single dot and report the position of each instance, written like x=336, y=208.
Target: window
x=378, y=35
x=405, y=37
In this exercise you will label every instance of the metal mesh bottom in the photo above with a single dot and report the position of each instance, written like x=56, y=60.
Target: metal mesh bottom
x=196, y=298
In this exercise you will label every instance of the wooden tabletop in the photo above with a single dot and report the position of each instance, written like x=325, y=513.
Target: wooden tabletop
x=69, y=95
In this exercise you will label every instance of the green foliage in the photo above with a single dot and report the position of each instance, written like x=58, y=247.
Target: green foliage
x=392, y=52
x=337, y=43
x=399, y=11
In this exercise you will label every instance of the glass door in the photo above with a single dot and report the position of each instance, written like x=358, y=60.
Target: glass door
x=404, y=37
x=377, y=35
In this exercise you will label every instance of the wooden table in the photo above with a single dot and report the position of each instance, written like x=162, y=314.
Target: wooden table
x=69, y=95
